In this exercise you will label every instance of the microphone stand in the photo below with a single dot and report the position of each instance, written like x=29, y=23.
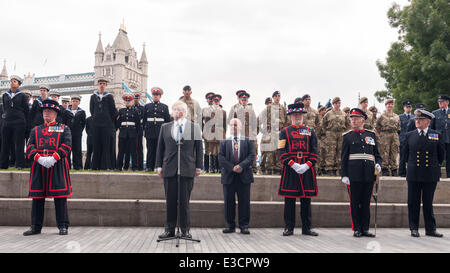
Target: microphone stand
x=178, y=233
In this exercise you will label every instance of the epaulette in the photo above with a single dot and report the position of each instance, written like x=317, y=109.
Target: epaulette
x=347, y=132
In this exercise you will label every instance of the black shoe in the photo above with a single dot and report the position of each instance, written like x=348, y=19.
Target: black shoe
x=310, y=233
x=228, y=230
x=186, y=235
x=63, y=231
x=394, y=173
x=434, y=234
x=288, y=232
x=167, y=234
x=368, y=234
x=31, y=231
x=245, y=231
x=385, y=172
x=357, y=234
x=415, y=233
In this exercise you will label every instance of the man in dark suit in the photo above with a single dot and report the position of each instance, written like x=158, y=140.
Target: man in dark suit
x=183, y=131
x=441, y=123
x=424, y=152
x=236, y=155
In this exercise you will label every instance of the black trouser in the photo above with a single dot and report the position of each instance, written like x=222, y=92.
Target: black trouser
x=171, y=190
x=37, y=213
x=447, y=159
x=305, y=213
x=360, y=195
x=139, y=152
x=90, y=147
x=76, y=151
x=418, y=191
x=402, y=167
x=243, y=193
x=126, y=146
x=13, y=134
x=101, y=140
x=151, y=152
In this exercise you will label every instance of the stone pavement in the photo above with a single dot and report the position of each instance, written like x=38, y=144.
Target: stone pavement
x=261, y=240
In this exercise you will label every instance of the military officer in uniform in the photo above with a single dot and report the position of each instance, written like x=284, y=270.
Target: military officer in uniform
x=104, y=112
x=15, y=113
x=404, y=120
x=424, y=153
x=359, y=159
x=374, y=112
x=334, y=123
x=64, y=115
x=36, y=109
x=76, y=127
x=206, y=116
x=297, y=149
x=311, y=119
x=140, y=136
x=194, y=109
x=412, y=123
x=128, y=122
x=49, y=146
x=370, y=121
x=155, y=115
x=388, y=126
x=441, y=123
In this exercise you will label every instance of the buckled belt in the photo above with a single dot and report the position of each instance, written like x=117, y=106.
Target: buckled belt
x=128, y=123
x=361, y=157
x=155, y=119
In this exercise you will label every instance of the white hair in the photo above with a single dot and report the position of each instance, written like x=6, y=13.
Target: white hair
x=180, y=105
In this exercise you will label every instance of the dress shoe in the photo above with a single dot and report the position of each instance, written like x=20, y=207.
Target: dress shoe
x=357, y=234
x=245, y=231
x=310, y=233
x=167, y=234
x=434, y=234
x=186, y=235
x=228, y=230
x=63, y=231
x=415, y=233
x=368, y=234
x=31, y=231
x=288, y=232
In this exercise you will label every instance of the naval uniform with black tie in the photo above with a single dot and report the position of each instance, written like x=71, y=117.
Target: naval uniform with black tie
x=358, y=159
x=424, y=152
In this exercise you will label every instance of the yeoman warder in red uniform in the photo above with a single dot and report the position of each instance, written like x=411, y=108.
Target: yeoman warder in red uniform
x=49, y=146
x=297, y=148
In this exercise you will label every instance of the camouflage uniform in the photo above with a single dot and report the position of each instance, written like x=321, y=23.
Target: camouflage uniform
x=320, y=166
x=194, y=113
x=270, y=122
x=311, y=119
x=370, y=121
x=248, y=119
x=388, y=127
x=334, y=124
x=214, y=131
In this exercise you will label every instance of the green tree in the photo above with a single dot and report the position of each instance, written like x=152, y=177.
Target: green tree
x=417, y=66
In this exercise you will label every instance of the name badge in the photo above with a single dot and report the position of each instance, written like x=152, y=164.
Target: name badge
x=57, y=129
x=370, y=141
x=433, y=136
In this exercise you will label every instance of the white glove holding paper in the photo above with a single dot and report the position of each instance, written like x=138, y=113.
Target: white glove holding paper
x=42, y=160
x=378, y=167
x=303, y=168
x=346, y=180
x=51, y=161
x=296, y=167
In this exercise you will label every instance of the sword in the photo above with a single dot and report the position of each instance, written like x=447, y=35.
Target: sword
x=375, y=197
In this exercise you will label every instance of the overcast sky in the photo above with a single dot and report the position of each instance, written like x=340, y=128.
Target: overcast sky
x=325, y=48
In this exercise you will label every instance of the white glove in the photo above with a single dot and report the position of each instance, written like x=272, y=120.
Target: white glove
x=51, y=161
x=43, y=161
x=346, y=180
x=378, y=167
x=303, y=168
x=297, y=167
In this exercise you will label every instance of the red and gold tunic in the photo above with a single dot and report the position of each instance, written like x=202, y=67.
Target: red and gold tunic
x=50, y=139
x=298, y=144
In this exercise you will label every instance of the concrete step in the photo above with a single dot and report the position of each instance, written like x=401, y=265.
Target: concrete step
x=206, y=187
x=204, y=213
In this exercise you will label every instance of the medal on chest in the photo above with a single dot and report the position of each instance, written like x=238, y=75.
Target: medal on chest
x=433, y=136
x=56, y=129
x=370, y=141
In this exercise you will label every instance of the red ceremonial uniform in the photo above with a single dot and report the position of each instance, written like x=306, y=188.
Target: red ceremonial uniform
x=50, y=139
x=298, y=144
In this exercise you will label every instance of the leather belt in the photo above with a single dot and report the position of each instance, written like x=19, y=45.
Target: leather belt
x=128, y=123
x=362, y=157
x=155, y=119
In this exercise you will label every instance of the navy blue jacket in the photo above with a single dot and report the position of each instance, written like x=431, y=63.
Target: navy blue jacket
x=441, y=123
